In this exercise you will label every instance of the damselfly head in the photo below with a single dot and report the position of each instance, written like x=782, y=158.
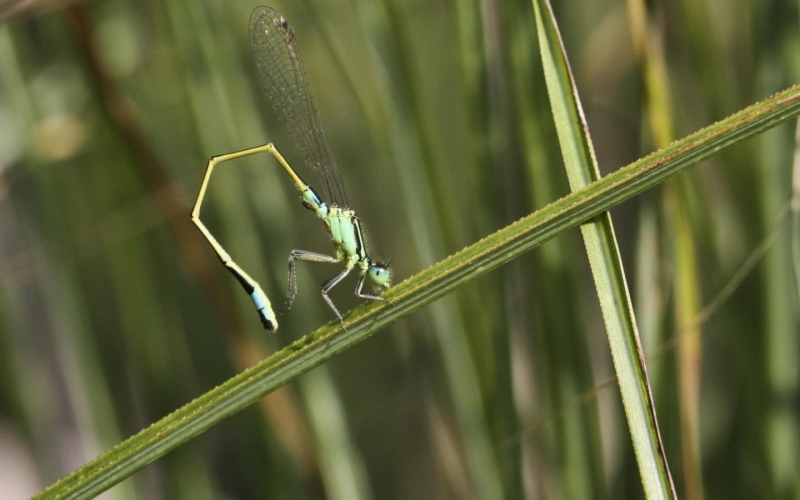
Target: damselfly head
x=379, y=274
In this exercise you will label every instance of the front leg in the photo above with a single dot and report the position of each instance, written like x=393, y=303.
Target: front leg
x=306, y=256
x=367, y=296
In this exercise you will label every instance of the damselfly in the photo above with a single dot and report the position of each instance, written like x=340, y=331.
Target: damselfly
x=284, y=81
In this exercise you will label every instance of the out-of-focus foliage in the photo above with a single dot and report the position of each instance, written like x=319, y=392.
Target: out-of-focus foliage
x=113, y=311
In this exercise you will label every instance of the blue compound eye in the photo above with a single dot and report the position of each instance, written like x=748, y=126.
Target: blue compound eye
x=380, y=274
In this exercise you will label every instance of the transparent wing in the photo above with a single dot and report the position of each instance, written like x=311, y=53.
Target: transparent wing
x=284, y=81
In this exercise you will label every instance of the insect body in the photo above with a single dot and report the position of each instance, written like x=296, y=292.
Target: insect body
x=285, y=83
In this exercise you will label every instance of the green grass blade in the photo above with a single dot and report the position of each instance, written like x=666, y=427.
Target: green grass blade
x=605, y=260
x=419, y=290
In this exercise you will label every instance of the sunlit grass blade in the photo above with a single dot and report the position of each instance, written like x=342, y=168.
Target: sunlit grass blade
x=606, y=263
x=419, y=290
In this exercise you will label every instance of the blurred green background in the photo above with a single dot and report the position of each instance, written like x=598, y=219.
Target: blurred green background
x=114, y=311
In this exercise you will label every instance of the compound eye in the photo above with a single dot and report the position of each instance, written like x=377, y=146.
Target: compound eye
x=379, y=275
